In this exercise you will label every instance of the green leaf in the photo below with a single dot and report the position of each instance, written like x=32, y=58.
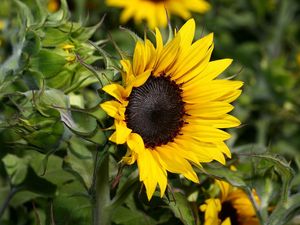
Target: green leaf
x=70, y=206
x=85, y=33
x=132, y=34
x=32, y=43
x=283, y=168
x=223, y=173
x=49, y=102
x=285, y=211
x=16, y=168
x=78, y=174
x=81, y=123
x=25, y=13
x=37, y=184
x=181, y=208
x=53, y=37
x=125, y=190
x=125, y=216
x=48, y=62
x=47, y=138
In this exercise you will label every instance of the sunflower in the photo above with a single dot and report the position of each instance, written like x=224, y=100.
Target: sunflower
x=232, y=208
x=154, y=11
x=169, y=107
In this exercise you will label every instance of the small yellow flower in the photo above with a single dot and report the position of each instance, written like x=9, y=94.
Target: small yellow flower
x=170, y=108
x=53, y=5
x=154, y=11
x=68, y=48
x=232, y=208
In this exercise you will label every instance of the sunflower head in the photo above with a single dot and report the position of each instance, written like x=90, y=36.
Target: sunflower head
x=233, y=207
x=154, y=11
x=169, y=108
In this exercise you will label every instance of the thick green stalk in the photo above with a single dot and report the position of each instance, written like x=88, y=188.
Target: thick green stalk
x=101, y=213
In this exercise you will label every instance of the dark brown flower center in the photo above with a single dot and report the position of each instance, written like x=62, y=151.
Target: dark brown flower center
x=155, y=111
x=229, y=211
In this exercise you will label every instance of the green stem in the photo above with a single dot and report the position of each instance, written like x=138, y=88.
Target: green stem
x=101, y=213
x=5, y=204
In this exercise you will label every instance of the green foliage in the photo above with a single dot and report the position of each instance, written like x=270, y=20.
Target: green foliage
x=56, y=164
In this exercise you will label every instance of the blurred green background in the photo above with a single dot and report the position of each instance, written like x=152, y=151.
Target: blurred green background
x=50, y=122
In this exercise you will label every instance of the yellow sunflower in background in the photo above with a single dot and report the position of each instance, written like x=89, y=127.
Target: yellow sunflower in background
x=170, y=107
x=232, y=208
x=154, y=11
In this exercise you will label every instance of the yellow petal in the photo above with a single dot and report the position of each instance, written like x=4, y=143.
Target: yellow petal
x=214, y=69
x=206, y=133
x=212, y=207
x=223, y=148
x=183, y=152
x=141, y=79
x=197, y=5
x=226, y=121
x=162, y=178
x=130, y=157
x=114, y=109
x=127, y=14
x=151, y=173
x=121, y=134
x=204, y=91
x=205, y=151
x=159, y=41
x=177, y=8
x=183, y=142
x=167, y=56
x=136, y=143
x=175, y=164
x=139, y=63
x=209, y=110
x=187, y=33
x=227, y=221
x=195, y=59
x=115, y=90
x=151, y=54
x=127, y=75
x=230, y=97
x=225, y=189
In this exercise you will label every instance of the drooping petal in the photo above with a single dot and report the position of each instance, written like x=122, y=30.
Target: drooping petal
x=121, y=134
x=114, y=109
x=141, y=78
x=175, y=164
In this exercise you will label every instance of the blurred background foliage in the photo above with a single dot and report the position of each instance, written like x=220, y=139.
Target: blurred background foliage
x=56, y=55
